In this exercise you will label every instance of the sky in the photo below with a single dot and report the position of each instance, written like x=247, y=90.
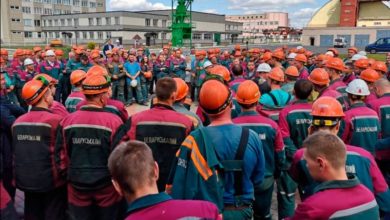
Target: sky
x=300, y=11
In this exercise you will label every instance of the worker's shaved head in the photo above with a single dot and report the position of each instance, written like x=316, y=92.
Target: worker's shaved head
x=165, y=87
x=382, y=83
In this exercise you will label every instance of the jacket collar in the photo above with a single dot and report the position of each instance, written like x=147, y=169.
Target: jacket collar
x=358, y=104
x=338, y=184
x=249, y=113
x=37, y=109
x=91, y=108
x=147, y=201
x=163, y=106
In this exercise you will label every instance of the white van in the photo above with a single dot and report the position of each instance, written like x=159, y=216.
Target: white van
x=339, y=42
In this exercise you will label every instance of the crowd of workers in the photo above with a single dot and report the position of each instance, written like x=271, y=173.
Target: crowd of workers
x=310, y=123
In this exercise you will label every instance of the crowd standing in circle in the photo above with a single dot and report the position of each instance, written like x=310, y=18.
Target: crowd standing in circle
x=310, y=123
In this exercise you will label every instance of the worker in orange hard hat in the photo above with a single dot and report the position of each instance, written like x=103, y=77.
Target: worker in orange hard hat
x=351, y=52
x=291, y=76
x=300, y=61
x=215, y=100
x=278, y=58
x=182, y=90
x=360, y=65
x=88, y=176
x=381, y=68
x=370, y=76
x=200, y=72
x=248, y=96
x=118, y=75
x=336, y=69
x=76, y=79
x=39, y=127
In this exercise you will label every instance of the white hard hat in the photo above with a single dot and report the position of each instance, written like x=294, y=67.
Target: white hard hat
x=363, y=53
x=330, y=53
x=207, y=64
x=291, y=56
x=50, y=53
x=117, y=41
x=133, y=83
x=356, y=57
x=358, y=87
x=299, y=47
x=28, y=61
x=264, y=67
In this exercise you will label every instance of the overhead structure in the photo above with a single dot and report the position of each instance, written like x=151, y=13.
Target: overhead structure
x=181, y=26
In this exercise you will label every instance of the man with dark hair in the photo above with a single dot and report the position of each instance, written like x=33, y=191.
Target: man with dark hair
x=238, y=72
x=84, y=64
x=294, y=120
x=161, y=127
x=134, y=175
x=83, y=146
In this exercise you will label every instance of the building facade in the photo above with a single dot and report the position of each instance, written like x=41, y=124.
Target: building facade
x=360, y=22
x=146, y=27
x=21, y=19
x=254, y=24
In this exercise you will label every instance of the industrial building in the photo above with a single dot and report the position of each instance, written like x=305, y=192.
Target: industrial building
x=359, y=22
x=255, y=24
x=21, y=19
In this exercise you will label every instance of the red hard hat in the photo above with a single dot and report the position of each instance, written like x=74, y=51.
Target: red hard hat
x=266, y=56
x=361, y=63
x=319, y=77
x=3, y=52
x=59, y=53
x=279, y=54
x=221, y=71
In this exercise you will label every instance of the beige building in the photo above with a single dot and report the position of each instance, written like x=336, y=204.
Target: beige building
x=21, y=19
x=149, y=27
x=370, y=22
x=254, y=24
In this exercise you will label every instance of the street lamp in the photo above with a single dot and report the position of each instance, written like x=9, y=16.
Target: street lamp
x=75, y=33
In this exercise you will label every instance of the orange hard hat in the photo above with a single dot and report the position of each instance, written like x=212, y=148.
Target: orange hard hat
x=217, y=50
x=77, y=76
x=237, y=47
x=202, y=53
x=95, y=54
x=96, y=84
x=212, y=56
x=59, y=53
x=74, y=47
x=369, y=75
x=266, y=56
x=115, y=50
x=301, y=50
x=279, y=54
x=97, y=70
x=256, y=51
x=4, y=52
x=301, y=58
x=181, y=89
x=19, y=52
x=211, y=51
x=309, y=54
x=148, y=75
x=327, y=107
x=2, y=60
x=320, y=57
x=221, y=71
x=214, y=96
x=28, y=52
x=361, y=63
x=354, y=49
x=380, y=66
x=334, y=51
x=292, y=71
x=335, y=63
x=37, y=49
x=371, y=61
x=319, y=77
x=237, y=54
x=276, y=74
x=78, y=51
x=34, y=89
x=48, y=78
x=248, y=93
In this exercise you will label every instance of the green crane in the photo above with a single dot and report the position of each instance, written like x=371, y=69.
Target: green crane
x=181, y=22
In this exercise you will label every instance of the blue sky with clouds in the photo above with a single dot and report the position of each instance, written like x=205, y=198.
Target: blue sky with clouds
x=300, y=11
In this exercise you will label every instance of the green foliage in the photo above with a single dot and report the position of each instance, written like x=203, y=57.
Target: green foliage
x=91, y=45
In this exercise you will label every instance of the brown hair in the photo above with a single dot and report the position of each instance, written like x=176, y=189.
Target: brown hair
x=164, y=88
x=325, y=144
x=131, y=165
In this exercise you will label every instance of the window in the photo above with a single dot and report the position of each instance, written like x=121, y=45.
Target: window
x=100, y=35
x=164, y=23
x=47, y=11
x=347, y=11
x=163, y=36
x=90, y=21
x=76, y=2
x=39, y=34
x=76, y=12
x=47, y=1
x=66, y=2
x=84, y=3
x=108, y=34
x=26, y=10
x=208, y=36
x=50, y=23
x=62, y=22
x=44, y=23
x=37, y=10
x=28, y=34
x=98, y=21
x=265, y=23
x=271, y=23
x=147, y=22
x=100, y=5
x=27, y=22
x=37, y=23
x=15, y=20
x=76, y=21
x=39, y=1
x=27, y=0
x=377, y=23
x=77, y=34
x=108, y=21
x=155, y=22
x=57, y=34
x=56, y=22
x=92, y=4
x=69, y=20
x=91, y=35
x=197, y=36
x=57, y=11
x=67, y=12
x=116, y=20
x=84, y=35
x=276, y=22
